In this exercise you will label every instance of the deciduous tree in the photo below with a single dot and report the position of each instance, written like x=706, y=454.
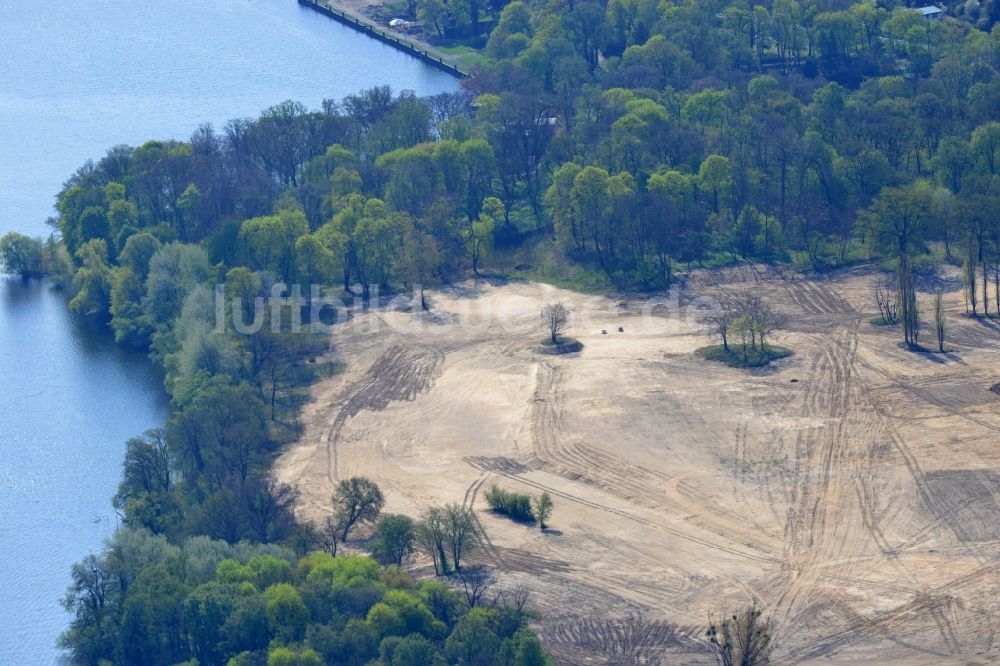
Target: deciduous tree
x=357, y=499
x=543, y=509
x=461, y=532
x=555, y=318
x=21, y=255
x=394, y=539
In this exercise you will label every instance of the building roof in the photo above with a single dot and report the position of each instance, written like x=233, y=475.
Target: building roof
x=930, y=10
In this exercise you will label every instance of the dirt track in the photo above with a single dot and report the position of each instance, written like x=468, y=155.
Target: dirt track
x=860, y=503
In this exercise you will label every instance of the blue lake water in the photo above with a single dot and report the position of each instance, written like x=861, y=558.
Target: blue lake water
x=76, y=78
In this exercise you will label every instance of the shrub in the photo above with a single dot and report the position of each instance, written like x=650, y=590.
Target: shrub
x=513, y=505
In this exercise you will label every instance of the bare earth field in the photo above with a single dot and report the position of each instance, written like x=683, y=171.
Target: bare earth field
x=853, y=488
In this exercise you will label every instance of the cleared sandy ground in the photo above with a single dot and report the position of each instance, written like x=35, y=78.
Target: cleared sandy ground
x=854, y=488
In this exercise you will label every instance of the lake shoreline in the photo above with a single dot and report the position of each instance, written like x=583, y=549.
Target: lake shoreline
x=346, y=13
x=75, y=88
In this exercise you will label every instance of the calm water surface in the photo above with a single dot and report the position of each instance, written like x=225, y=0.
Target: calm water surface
x=69, y=398
x=76, y=78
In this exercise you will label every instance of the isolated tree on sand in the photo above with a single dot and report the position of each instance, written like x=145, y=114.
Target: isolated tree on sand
x=543, y=509
x=885, y=300
x=907, y=298
x=393, y=541
x=357, y=500
x=939, y=318
x=461, y=532
x=742, y=638
x=430, y=534
x=555, y=317
x=895, y=224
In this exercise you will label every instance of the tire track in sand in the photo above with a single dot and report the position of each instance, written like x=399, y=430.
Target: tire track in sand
x=469, y=502
x=399, y=373
x=576, y=460
x=834, y=500
x=833, y=494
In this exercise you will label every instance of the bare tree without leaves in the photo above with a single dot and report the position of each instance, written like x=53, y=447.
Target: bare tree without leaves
x=996, y=286
x=721, y=318
x=742, y=638
x=357, y=500
x=885, y=300
x=331, y=534
x=515, y=598
x=555, y=317
x=461, y=532
x=447, y=105
x=764, y=319
x=907, y=299
x=475, y=582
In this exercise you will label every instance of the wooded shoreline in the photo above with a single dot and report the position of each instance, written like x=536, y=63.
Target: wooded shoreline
x=362, y=25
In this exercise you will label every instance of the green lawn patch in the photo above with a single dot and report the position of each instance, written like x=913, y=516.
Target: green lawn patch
x=735, y=357
x=580, y=281
x=466, y=54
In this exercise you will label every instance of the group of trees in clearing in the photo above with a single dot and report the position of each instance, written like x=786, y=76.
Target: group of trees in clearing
x=521, y=507
x=902, y=298
x=747, y=319
x=446, y=534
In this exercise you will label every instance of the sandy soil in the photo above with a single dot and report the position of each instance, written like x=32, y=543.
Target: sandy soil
x=854, y=488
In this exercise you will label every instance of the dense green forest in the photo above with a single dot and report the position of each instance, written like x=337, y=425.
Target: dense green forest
x=615, y=141
x=601, y=145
